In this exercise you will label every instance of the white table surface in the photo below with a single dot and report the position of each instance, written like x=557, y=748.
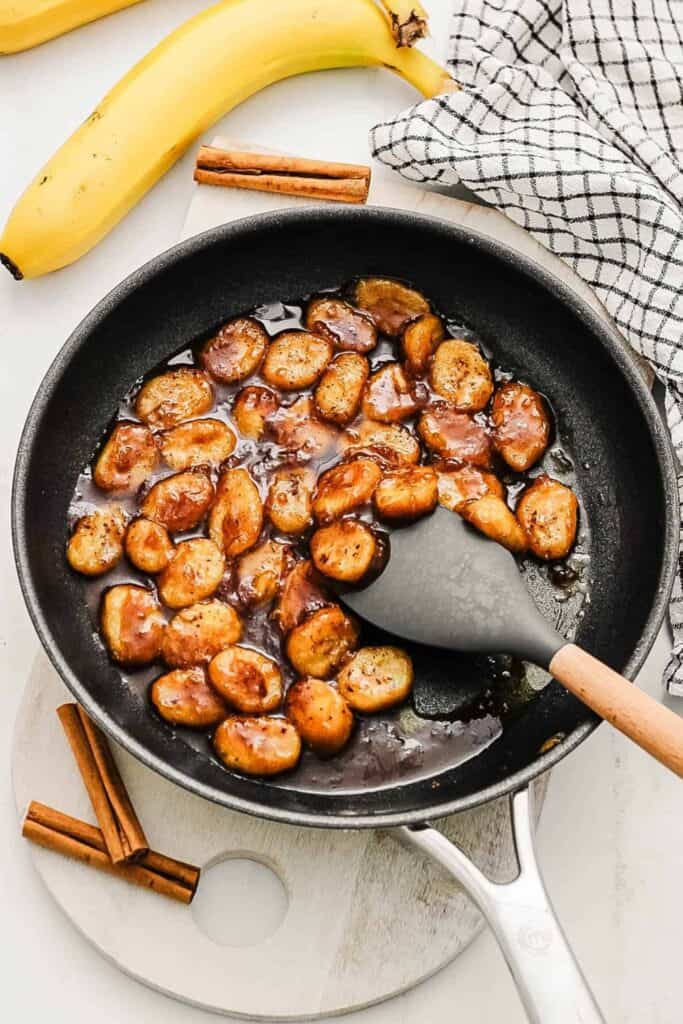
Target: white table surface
x=611, y=841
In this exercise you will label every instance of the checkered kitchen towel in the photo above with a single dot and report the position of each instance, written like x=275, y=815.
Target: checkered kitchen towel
x=570, y=121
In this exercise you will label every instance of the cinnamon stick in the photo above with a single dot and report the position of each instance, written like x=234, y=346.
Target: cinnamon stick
x=121, y=829
x=133, y=838
x=290, y=175
x=77, y=839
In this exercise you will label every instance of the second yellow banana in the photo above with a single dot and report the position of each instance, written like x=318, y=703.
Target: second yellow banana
x=200, y=71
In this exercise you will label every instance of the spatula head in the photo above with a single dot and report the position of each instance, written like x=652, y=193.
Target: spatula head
x=447, y=585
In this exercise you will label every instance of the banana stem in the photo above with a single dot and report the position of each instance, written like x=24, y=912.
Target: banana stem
x=409, y=20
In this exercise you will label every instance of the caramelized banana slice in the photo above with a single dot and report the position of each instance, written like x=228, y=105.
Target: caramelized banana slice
x=247, y=680
x=322, y=643
x=128, y=458
x=179, y=502
x=165, y=401
x=197, y=443
x=492, y=516
x=338, y=395
x=521, y=425
x=296, y=359
x=376, y=678
x=407, y=493
x=236, y=519
x=389, y=396
x=96, y=545
x=302, y=594
x=344, y=488
x=345, y=551
x=236, y=351
x=455, y=435
x=458, y=486
x=320, y=714
x=183, y=697
x=148, y=546
x=197, y=634
x=261, y=571
x=548, y=512
x=461, y=375
x=193, y=573
x=420, y=340
x=290, y=500
x=252, y=408
x=390, y=304
x=341, y=324
x=391, y=441
x=132, y=624
x=297, y=428
x=257, y=746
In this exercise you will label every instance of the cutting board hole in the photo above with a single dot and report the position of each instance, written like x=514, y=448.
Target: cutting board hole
x=240, y=901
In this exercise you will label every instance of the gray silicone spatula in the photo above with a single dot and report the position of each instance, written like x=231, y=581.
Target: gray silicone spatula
x=449, y=586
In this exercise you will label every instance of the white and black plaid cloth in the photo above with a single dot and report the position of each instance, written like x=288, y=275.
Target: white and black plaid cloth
x=570, y=121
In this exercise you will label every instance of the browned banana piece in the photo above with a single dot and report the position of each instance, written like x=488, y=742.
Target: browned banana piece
x=236, y=351
x=289, y=504
x=465, y=483
x=132, y=624
x=548, y=512
x=341, y=324
x=96, y=545
x=127, y=459
x=296, y=359
x=173, y=397
x=521, y=425
x=179, y=502
x=197, y=443
x=252, y=409
x=302, y=594
x=320, y=714
x=346, y=550
x=322, y=643
x=148, y=546
x=492, y=516
x=261, y=571
x=420, y=340
x=247, y=680
x=407, y=493
x=184, y=697
x=193, y=574
x=236, y=518
x=390, y=303
x=389, y=396
x=455, y=435
x=376, y=678
x=257, y=746
x=339, y=393
x=197, y=634
x=344, y=488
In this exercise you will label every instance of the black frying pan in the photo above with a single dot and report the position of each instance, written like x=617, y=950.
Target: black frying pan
x=624, y=474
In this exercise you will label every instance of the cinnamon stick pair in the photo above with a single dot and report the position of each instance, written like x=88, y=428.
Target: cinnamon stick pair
x=290, y=175
x=73, y=838
x=119, y=847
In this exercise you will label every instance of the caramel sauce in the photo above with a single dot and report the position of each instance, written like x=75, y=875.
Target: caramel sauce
x=460, y=703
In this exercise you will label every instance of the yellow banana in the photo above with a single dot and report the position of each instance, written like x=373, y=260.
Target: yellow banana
x=408, y=20
x=26, y=23
x=194, y=76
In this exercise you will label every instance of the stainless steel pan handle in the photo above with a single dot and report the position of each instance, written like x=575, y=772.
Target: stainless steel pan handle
x=550, y=982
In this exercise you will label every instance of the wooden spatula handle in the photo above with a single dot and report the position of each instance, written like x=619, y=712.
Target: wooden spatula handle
x=652, y=726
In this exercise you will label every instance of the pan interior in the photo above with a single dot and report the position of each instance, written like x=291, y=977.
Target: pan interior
x=604, y=425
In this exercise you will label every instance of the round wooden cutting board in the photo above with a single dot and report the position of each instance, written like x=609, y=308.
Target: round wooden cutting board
x=288, y=922
x=335, y=920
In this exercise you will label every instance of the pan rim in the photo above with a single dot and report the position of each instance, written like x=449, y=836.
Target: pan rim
x=603, y=332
